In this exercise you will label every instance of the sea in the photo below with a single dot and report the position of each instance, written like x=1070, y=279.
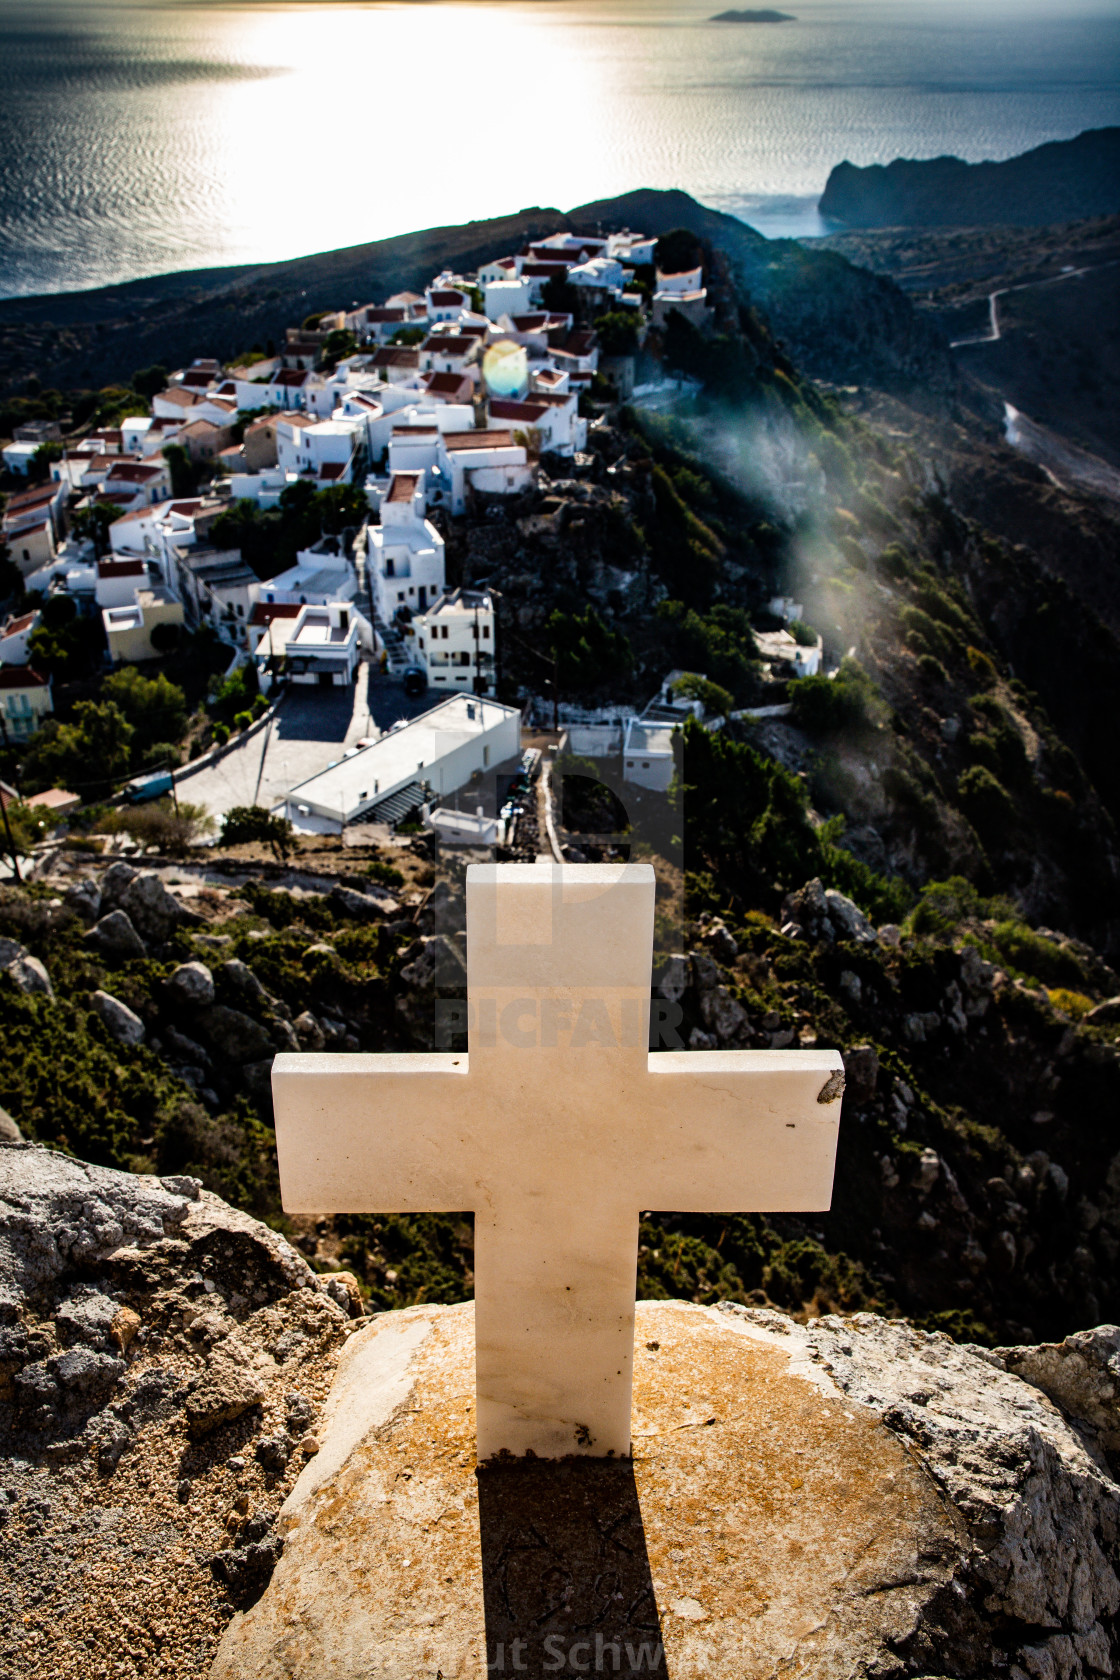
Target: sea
x=140, y=137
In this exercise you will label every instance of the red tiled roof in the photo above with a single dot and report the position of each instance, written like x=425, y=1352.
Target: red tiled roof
x=291, y=377
x=383, y=313
x=478, y=440
x=332, y=469
x=443, y=344
x=504, y=408
x=121, y=568
x=180, y=397
x=396, y=355
x=198, y=378
x=16, y=626
x=415, y=431
x=447, y=384
x=403, y=487
x=447, y=299
x=265, y=611
x=31, y=498
x=21, y=676
x=531, y=323
x=544, y=271
x=135, y=472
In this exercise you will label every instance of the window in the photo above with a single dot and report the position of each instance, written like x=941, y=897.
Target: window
x=645, y=763
x=485, y=755
x=486, y=632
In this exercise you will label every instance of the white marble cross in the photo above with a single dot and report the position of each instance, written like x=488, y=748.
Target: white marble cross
x=557, y=1128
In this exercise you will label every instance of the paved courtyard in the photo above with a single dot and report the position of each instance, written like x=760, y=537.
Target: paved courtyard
x=312, y=726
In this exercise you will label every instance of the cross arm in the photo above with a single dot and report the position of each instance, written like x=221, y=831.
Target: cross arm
x=374, y=1134
x=740, y=1131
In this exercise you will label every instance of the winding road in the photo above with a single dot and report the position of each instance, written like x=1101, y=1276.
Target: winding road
x=993, y=334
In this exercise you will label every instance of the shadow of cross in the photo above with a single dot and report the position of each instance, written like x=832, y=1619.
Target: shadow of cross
x=557, y=1127
x=566, y=1583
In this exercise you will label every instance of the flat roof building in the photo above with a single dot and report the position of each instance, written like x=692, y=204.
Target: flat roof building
x=415, y=763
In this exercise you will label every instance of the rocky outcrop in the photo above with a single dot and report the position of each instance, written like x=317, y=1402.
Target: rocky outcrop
x=1057, y=182
x=25, y=972
x=152, y=1339
x=850, y=1497
x=119, y=1021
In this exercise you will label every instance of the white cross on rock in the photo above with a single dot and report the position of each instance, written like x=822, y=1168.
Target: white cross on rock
x=557, y=1127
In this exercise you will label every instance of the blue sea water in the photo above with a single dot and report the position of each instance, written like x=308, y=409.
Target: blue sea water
x=144, y=136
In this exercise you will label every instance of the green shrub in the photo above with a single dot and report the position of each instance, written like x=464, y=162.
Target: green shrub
x=260, y=706
x=1038, y=958
x=242, y=720
x=221, y=734
x=801, y=633
x=829, y=705
x=982, y=668
x=943, y=906
x=986, y=802
x=384, y=873
x=245, y=824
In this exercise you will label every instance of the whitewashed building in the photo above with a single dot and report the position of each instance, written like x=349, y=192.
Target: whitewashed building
x=418, y=762
x=453, y=641
x=405, y=553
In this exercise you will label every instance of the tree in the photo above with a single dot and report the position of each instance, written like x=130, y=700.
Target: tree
x=248, y=824
x=184, y=474
x=408, y=336
x=832, y=705
x=161, y=824
x=337, y=346
x=93, y=522
x=155, y=708
x=678, y=251
x=91, y=752
x=716, y=701
x=150, y=380
x=586, y=651
x=618, y=332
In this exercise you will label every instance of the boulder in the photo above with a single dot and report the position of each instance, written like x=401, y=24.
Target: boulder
x=368, y=906
x=675, y=977
x=241, y=977
x=114, y=884
x=28, y=975
x=118, y=1019
x=439, y=962
x=155, y=912
x=848, y=920
x=849, y=1497
x=236, y=1036
x=119, y=1476
x=723, y=1015
x=178, y=1045
x=861, y=1073
x=309, y=1032
x=193, y=984
x=115, y=935
x=1105, y=1014
x=9, y=1131
x=1081, y=1375
x=84, y=898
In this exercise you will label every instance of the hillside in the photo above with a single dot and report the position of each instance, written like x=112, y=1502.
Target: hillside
x=1058, y=182
x=82, y=341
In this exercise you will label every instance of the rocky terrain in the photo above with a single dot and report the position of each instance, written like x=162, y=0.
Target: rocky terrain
x=164, y=1363
x=163, y=1360
x=1053, y=183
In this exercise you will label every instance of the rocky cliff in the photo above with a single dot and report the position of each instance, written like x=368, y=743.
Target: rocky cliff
x=1058, y=182
x=846, y=1497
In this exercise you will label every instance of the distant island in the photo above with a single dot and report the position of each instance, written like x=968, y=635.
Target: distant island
x=753, y=17
x=1058, y=182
